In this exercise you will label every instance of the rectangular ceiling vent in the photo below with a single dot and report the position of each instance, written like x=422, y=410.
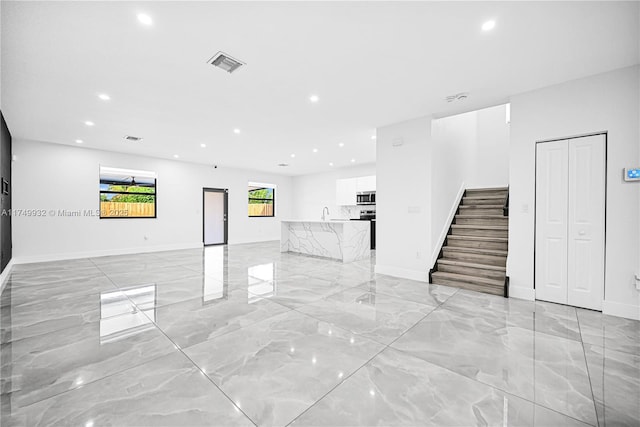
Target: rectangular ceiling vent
x=225, y=62
x=132, y=138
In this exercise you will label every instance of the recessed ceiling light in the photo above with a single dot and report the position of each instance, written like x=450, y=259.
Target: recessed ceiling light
x=104, y=96
x=236, y=131
x=373, y=137
x=79, y=141
x=176, y=156
x=489, y=25
x=145, y=19
x=353, y=160
x=89, y=123
x=314, y=98
x=341, y=145
x=315, y=150
x=203, y=145
x=293, y=155
x=330, y=163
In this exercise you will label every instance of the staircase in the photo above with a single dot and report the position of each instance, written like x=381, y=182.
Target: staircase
x=474, y=254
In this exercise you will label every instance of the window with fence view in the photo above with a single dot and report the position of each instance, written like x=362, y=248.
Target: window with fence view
x=127, y=193
x=261, y=199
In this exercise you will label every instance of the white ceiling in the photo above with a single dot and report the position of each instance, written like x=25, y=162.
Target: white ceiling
x=371, y=64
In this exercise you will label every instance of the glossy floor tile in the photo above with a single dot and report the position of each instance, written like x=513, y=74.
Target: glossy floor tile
x=246, y=335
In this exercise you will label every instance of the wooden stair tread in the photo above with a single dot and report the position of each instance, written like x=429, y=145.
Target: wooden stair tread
x=480, y=216
x=472, y=190
x=459, y=263
x=480, y=206
x=478, y=238
x=480, y=227
x=487, y=197
x=494, y=252
x=468, y=279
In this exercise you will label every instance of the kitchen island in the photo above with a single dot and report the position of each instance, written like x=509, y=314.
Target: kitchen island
x=345, y=241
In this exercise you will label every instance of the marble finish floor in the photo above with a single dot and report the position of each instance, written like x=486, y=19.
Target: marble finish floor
x=246, y=335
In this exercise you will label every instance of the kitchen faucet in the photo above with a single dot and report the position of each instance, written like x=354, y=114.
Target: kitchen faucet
x=325, y=209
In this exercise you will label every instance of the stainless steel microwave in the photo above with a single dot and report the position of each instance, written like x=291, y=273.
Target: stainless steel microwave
x=366, y=198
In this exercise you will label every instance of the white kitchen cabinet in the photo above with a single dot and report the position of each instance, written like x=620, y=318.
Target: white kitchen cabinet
x=346, y=191
x=366, y=183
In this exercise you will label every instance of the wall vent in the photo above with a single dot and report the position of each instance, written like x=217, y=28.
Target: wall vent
x=133, y=138
x=225, y=62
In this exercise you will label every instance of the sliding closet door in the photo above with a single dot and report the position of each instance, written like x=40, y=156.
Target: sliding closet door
x=552, y=166
x=586, y=222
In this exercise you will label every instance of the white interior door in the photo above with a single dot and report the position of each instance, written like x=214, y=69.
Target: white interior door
x=586, y=222
x=551, y=221
x=570, y=210
x=214, y=217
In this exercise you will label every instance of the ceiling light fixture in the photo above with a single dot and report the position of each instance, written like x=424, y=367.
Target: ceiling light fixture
x=79, y=141
x=293, y=155
x=315, y=150
x=353, y=160
x=236, y=131
x=330, y=163
x=314, y=98
x=145, y=19
x=489, y=25
x=203, y=145
x=341, y=145
x=89, y=123
x=176, y=156
x=104, y=96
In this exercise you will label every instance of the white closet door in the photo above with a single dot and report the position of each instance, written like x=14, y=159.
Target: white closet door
x=586, y=222
x=552, y=166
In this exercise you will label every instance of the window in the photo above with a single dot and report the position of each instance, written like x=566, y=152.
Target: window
x=127, y=193
x=261, y=199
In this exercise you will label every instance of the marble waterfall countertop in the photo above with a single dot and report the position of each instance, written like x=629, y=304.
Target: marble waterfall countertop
x=343, y=240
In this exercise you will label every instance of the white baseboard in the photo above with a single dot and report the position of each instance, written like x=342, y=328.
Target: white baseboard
x=628, y=311
x=520, y=292
x=106, y=252
x=5, y=274
x=446, y=225
x=404, y=273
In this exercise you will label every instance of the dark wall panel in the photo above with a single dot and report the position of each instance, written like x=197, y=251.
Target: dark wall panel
x=5, y=194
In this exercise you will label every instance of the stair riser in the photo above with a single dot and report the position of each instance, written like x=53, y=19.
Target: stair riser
x=482, y=193
x=469, y=286
x=475, y=258
x=479, y=232
x=471, y=271
x=503, y=221
x=476, y=202
x=479, y=210
x=501, y=246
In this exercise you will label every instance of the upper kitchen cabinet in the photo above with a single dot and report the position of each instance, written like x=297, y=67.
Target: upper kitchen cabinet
x=346, y=190
x=366, y=183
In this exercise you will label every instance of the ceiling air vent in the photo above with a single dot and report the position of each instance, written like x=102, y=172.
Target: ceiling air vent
x=225, y=62
x=457, y=97
x=283, y=165
x=132, y=138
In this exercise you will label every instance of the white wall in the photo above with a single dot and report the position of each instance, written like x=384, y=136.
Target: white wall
x=311, y=193
x=607, y=102
x=403, y=190
x=51, y=177
x=470, y=150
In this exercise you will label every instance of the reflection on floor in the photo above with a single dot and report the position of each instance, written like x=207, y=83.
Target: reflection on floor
x=246, y=335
